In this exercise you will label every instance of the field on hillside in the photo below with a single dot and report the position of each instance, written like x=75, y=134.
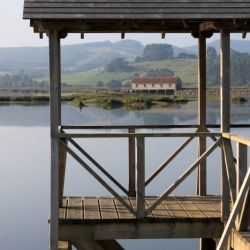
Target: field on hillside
x=185, y=69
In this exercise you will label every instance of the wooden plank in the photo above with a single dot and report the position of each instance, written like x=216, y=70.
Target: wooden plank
x=107, y=208
x=237, y=138
x=125, y=135
x=159, y=212
x=122, y=211
x=175, y=210
x=202, y=172
x=132, y=168
x=140, y=171
x=135, y=4
x=142, y=230
x=55, y=121
x=63, y=209
x=75, y=208
x=150, y=17
x=91, y=208
x=207, y=208
x=191, y=209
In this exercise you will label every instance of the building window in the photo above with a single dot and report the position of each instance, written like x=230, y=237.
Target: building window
x=144, y=85
x=153, y=85
x=136, y=85
x=161, y=85
x=169, y=85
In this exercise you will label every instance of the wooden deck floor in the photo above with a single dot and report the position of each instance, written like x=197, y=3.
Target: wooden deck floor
x=89, y=209
x=99, y=218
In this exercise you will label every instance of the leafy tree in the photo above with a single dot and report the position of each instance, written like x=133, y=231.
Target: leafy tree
x=213, y=68
x=99, y=84
x=156, y=52
x=118, y=64
x=184, y=55
x=160, y=72
x=114, y=84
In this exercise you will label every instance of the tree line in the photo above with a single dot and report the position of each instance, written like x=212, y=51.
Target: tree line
x=239, y=67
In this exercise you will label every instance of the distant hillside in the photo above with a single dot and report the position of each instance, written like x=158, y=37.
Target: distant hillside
x=75, y=58
x=186, y=69
x=238, y=45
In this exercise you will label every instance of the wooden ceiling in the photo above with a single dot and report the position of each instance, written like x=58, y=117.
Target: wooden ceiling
x=150, y=16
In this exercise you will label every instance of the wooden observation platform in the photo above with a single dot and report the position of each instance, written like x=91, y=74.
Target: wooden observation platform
x=222, y=222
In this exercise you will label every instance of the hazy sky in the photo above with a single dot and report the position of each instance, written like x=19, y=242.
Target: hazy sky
x=18, y=33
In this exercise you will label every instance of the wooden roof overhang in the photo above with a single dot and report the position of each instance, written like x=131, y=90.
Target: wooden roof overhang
x=138, y=16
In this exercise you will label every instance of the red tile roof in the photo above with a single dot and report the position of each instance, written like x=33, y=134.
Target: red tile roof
x=152, y=80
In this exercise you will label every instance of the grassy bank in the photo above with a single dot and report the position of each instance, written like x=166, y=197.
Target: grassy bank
x=112, y=99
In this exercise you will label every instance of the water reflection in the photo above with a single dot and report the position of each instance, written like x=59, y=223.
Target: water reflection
x=24, y=179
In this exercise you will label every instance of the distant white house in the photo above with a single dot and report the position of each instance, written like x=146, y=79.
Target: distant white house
x=165, y=85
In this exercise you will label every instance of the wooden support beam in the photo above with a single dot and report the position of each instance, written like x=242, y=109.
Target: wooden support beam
x=243, y=219
x=183, y=176
x=62, y=167
x=96, y=164
x=235, y=211
x=141, y=230
x=202, y=171
x=225, y=81
x=131, y=159
x=166, y=162
x=55, y=121
x=230, y=167
x=97, y=177
x=241, y=168
x=225, y=204
x=140, y=178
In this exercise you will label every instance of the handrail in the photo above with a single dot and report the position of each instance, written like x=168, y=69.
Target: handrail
x=235, y=211
x=127, y=135
x=237, y=138
x=152, y=126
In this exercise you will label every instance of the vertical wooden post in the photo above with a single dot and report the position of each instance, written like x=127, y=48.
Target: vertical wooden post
x=55, y=121
x=131, y=157
x=62, y=167
x=202, y=172
x=225, y=115
x=241, y=169
x=140, y=174
x=225, y=81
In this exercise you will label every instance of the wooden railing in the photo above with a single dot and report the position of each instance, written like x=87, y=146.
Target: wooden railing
x=136, y=153
x=235, y=175
x=237, y=178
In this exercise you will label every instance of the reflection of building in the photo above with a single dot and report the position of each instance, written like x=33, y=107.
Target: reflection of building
x=166, y=85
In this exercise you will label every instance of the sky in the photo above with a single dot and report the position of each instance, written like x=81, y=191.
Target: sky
x=18, y=33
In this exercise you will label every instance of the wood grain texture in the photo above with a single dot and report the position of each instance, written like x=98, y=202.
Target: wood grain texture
x=160, y=9
x=180, y=208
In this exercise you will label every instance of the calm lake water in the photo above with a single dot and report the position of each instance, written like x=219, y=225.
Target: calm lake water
x=25, y=165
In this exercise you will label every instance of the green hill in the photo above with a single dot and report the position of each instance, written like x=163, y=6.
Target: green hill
x=186, y=69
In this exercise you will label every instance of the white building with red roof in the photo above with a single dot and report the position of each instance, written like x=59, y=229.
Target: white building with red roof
x=167, y=85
